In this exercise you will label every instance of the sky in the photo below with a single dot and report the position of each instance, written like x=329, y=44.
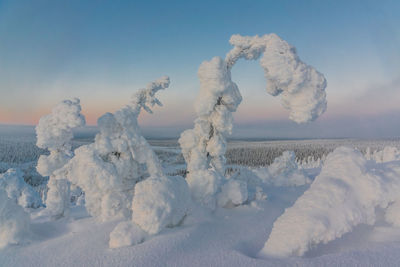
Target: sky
x=102, y=51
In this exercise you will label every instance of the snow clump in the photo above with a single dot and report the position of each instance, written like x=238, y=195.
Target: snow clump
x=14, y=221
x=18, y=190
x=160, y=202
x=125, y=234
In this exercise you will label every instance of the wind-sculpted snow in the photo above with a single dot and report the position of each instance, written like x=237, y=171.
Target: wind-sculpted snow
x=345, y=194
x=203, y=147
x=20, y=192
x=14, y=221
x=54, y=132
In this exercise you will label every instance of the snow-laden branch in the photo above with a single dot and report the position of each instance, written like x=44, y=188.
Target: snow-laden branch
x=302, y=89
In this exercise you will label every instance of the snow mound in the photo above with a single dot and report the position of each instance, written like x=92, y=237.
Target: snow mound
x=233, y=193
x=160, y=202
x=284, y=171
x=18, y=190
x=343, y=195
x=14, y=221
x=126, y=234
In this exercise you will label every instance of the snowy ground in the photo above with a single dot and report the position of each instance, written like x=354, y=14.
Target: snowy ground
x=229, y=237
x=226, y=237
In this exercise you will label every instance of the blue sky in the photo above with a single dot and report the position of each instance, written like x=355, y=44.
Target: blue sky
x=101, y=51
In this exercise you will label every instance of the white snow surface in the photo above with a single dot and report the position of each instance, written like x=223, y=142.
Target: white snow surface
x=18, y=190
x=345, y=194
x=225, y=237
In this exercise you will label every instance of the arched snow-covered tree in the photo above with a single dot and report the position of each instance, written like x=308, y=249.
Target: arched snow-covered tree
x=302, y=91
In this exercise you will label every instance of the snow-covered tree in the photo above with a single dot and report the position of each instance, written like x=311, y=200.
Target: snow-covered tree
x=108, y=170
x=346, y=193
x=302, y=91
x=54, y=132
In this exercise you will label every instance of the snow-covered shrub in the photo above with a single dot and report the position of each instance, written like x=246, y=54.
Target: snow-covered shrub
x=284, y=171
x=23, y=194
x=248, y=180
x=14, y=221
x=387, y=154
x=343, y=195
x=108, y=169
x=160, y=202
x=302, y=89
x=54, y=132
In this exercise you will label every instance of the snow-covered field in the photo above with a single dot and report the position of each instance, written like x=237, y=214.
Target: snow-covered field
x=224, y=237
x=75, y=196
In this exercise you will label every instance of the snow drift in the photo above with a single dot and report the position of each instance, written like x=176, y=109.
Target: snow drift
x=343, y=195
